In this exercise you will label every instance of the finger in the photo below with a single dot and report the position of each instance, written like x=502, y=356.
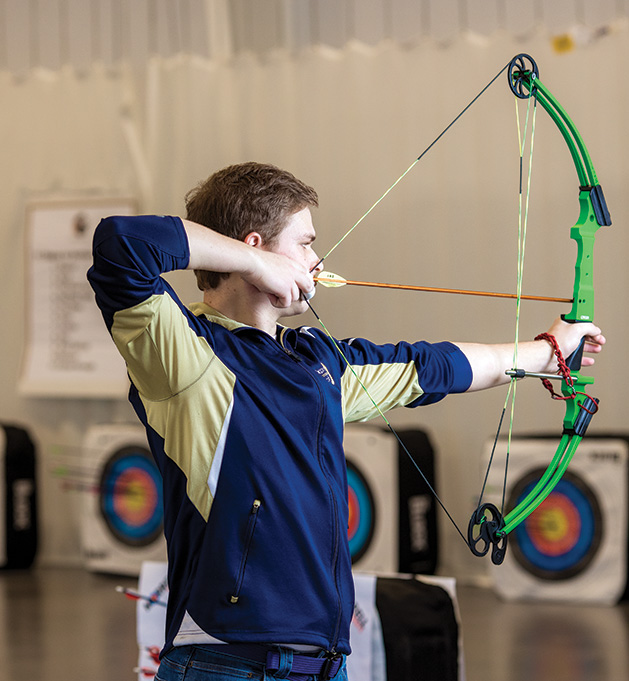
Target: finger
x=593, y=347
x=283, y=301
x=287, y=300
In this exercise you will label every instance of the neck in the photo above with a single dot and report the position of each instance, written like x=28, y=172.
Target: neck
x=243, y=303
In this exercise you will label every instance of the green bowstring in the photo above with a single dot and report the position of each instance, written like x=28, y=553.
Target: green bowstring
x=522, y=232
x=413, y=164
x=519, y=290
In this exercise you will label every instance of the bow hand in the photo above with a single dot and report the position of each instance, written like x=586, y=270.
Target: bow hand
x=574, y=339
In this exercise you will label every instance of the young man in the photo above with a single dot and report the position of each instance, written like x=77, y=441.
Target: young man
x=245, y=419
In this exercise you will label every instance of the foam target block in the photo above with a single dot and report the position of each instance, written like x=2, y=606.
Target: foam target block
x=392, y=513
x=18, y=498
x=122, y=524
x=573, y=547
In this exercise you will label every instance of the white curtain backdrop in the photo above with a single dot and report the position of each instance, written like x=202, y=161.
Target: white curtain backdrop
x=50, y=34
x=349, y=122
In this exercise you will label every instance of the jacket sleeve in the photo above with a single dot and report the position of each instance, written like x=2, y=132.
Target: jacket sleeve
x=153, y=331
x=401, y=375
x=130, y=254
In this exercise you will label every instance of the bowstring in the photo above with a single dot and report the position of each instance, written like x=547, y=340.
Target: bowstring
x=523, y=216
x=433, y=491
x=333, y=340
x=413, y=164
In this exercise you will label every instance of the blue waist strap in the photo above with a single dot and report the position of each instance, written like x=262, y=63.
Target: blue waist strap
x=293, y=664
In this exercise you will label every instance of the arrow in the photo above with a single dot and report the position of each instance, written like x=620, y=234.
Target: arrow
x=331, y=280
x=137, y=596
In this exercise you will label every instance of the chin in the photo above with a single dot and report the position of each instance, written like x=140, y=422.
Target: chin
x=295, y=309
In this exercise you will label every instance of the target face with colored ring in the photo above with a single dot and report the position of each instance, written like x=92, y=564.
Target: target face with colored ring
x=362, y=513
x=131, y=497
x=559, y=539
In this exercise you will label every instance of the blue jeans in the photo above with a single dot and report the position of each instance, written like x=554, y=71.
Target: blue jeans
x=197, y=663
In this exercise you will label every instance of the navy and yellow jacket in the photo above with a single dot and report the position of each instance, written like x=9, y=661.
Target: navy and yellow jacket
x=247, y=431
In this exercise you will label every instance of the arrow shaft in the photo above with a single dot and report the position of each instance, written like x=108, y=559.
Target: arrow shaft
x=464, y=292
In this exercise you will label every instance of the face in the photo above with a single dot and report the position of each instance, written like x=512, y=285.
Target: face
x=296, y=241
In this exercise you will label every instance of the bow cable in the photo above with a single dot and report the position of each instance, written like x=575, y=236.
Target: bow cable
x=340, y=241
x=413, y=164
x=388, y=424
x=522, y=232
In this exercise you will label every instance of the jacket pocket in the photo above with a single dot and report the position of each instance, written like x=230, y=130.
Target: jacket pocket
x=251, y=527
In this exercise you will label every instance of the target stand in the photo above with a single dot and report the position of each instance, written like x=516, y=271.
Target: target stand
x=392, y=514
x=122, y=523
x=573, y=548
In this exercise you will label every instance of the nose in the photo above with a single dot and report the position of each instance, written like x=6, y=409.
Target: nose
x=318, y=265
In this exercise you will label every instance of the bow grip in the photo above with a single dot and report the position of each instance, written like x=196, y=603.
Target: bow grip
x=575, y=358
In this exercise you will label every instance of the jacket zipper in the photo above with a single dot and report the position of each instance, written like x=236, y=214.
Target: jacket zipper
x=335, y=555
x=335, y=568
x=251, y=526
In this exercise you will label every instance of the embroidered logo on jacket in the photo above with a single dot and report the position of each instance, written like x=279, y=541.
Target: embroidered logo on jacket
x=323, y=371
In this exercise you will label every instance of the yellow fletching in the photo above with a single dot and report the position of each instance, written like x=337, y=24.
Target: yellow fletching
x=330, y=279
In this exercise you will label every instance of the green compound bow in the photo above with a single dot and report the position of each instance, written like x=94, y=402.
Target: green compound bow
x=487, y=527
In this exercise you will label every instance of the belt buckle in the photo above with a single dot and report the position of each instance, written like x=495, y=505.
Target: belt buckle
x=330, y=659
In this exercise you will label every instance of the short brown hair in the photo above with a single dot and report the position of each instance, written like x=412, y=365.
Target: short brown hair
x=244, y=198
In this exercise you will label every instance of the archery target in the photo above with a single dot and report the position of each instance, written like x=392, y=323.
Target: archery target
x=392, y=516
x=372, y=476
x=561, y=538
x=362, y=513
x=131, y=496
x=573, y=547
x=123, y=511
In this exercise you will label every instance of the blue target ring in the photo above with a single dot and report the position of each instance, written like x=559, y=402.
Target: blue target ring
x=362, y=513
x=131, y=498
x=560, y=538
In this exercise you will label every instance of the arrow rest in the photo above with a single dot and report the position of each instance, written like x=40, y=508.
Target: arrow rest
x=484, y=532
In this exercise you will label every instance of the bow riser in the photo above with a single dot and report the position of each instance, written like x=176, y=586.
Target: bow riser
x=584, y=233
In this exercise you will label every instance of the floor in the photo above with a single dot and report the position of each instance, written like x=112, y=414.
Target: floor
x=71, y=625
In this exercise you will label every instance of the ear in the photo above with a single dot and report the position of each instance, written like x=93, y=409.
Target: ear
x=254, y=239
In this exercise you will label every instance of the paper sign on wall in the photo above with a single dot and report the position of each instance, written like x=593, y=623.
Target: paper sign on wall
x=68, y=351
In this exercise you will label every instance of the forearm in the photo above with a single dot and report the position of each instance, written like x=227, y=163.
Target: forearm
x=215, y=252
x=490, y=362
